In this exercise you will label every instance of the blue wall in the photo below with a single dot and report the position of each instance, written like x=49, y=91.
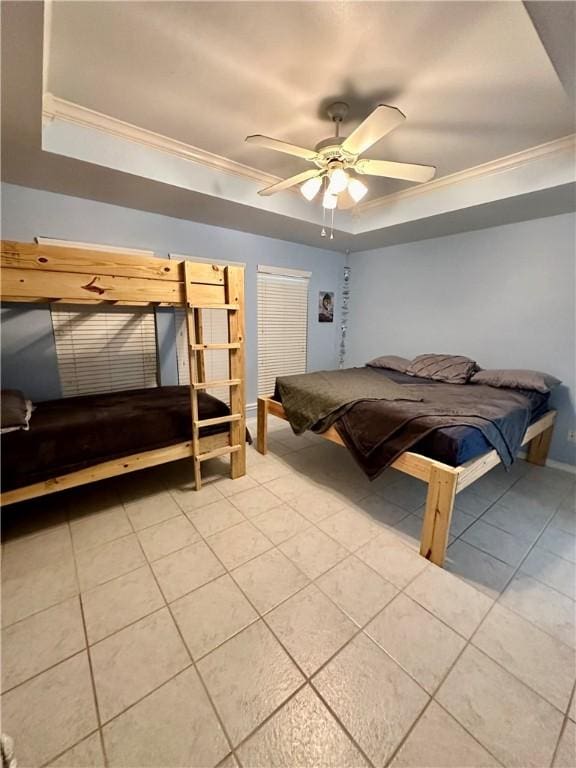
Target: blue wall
x=28, y=355
x=503, y=296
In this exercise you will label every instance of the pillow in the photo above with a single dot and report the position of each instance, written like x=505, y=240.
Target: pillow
x=516, y=379
x=392, y=362
x=15, y=411
x=453, y=369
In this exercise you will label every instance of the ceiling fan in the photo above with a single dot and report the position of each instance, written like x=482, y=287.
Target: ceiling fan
x=336, y=156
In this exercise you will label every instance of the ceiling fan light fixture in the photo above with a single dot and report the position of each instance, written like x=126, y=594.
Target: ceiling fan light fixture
x=329, y=201
x=357, y=190
x=311, y=187
x=338, y=181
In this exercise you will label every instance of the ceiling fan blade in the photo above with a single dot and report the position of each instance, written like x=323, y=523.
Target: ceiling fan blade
x=282, y=146
x=405, y=171
x=291, y=182
x=380, y=122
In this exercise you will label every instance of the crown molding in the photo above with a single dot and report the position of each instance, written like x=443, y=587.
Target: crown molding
x=55, y=108
x=557, y=146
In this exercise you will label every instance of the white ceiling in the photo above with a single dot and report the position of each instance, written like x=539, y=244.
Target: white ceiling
x=472, y=77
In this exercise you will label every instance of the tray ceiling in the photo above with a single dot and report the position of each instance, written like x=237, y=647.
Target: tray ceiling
x=473, y=78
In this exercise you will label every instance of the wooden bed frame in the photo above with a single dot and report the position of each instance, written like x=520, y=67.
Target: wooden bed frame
x=36, y=273
x=444, y=481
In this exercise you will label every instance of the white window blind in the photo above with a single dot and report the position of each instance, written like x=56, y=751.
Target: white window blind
x=104, y=350
x=282, y=326
x=214, y=331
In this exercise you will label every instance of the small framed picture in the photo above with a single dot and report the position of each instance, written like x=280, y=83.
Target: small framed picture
x=326, y=307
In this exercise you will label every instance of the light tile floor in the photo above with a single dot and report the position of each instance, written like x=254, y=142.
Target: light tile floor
x=286, y=619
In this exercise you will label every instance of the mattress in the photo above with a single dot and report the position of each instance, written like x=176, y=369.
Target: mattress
x=78, y=432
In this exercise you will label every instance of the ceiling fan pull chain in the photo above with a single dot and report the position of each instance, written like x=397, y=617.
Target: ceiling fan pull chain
x=332, y=226
x=323, y=232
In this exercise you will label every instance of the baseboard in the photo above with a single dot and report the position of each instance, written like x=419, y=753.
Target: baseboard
x=561, y=465
x=251, y=410
x=571, y=468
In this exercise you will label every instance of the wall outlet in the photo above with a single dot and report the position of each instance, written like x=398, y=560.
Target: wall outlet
x=572, y=437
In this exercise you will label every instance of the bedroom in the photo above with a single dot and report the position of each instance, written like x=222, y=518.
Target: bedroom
x=276, y=606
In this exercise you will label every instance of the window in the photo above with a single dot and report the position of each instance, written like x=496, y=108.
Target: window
x=104, y=350
x=282, y=325
x=214, y=330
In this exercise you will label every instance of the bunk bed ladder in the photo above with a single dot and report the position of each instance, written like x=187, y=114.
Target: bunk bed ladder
x=234, y=307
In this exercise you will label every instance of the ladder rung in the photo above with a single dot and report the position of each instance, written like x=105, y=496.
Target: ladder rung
x=230, y=345
x=215, y=384
x=229, y=307
x=219, y=452
x=219, y=420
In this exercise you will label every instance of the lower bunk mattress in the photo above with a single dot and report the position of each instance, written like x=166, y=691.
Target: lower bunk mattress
x=78, y=432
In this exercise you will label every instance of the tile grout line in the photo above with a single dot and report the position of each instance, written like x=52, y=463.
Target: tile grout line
x=194, y=665
x=140, y=699
x=432, y=696
x=307, y=679
x=564, y=725
x=95, y=732
x=88, y=654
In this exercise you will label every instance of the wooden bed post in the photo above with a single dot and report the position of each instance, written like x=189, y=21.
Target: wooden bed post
x=438, y=515
x=538, y=447
x=262, y=426
x=235, y=295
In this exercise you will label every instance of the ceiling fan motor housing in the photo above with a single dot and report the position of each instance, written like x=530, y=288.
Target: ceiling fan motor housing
x=330, y=150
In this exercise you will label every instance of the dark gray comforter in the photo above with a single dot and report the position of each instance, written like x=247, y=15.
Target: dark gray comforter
x=377, y=431
x=324, y=396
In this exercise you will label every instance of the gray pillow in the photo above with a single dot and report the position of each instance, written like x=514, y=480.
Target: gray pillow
x=15, y=411
x=392, y=362
x=516, y=379
x=453, y=369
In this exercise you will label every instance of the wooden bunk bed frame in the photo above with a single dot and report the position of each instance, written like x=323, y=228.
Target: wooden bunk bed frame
x=444, y=481
x=36, y=273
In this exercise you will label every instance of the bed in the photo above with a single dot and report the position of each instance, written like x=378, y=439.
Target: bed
x=79, y=433
x=81, y=440
x=448, y=451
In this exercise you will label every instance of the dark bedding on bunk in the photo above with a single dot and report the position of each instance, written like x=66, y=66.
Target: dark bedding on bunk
x=453, y=423
x=77, y=432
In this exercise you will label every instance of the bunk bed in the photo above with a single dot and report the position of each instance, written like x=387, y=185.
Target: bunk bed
x=36, y=273
x=444, y=481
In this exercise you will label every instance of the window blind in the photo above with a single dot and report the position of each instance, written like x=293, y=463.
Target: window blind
x=104, y=350
x=282, y=327
x=214, y=330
